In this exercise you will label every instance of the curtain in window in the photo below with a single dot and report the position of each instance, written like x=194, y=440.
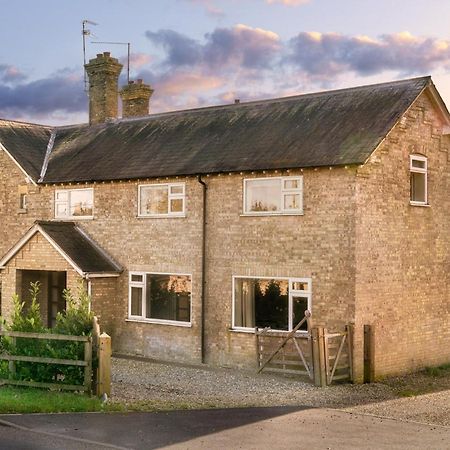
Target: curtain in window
x=244, y=308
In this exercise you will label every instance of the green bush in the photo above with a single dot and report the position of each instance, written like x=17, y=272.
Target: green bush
x=75, y=320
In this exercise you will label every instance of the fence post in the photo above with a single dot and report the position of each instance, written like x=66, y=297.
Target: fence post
x=369, y=353
x=350, y=332
x=95, y=341
x=88, y=368
x=12, y=364
x=104, y=365
x=318, y=344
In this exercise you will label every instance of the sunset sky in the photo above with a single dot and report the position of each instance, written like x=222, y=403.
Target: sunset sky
x=208, y=52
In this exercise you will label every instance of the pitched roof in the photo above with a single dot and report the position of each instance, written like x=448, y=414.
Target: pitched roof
x=26, y=143
x=85, y=255
x=322, y=129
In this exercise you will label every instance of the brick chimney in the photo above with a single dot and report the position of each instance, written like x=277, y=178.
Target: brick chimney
x=103, y=72
x=135, y=99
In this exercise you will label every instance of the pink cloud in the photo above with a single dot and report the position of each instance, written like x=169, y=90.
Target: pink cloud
x=288, y=2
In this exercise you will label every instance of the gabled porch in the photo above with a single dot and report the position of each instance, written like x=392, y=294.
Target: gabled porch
x=58, y=255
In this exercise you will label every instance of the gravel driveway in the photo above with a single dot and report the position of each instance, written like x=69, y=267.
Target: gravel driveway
x=143, y=384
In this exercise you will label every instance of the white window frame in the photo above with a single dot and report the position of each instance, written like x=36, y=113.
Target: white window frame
x=284, y=191
x=423, y=170
x=67, y=202
x=292, y=293
x=171, y=196
x=143, y=285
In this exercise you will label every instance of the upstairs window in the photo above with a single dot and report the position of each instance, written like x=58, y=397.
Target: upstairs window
x=74, y=203
x=277, y=303
x=418, y=176
x=266, y=196
x=156, y=200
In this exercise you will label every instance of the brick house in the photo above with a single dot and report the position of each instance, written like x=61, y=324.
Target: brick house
x=190, y=228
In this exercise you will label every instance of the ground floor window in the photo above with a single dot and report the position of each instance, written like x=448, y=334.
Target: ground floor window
x=278, y=303
x=160, y=297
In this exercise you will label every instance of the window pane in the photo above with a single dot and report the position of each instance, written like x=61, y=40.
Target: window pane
x=418, y=163
x=176, y=205
x=271, y=304
x=292, y=201
x=168, y=297
x=61, y=195
x=135, y=277
x=263, y=195
x=299, y=306
x=291, y=184
x=300, y=286
x=176, y=189
x=81, y=203
x=418, y=181
x=154, y=200
x=61, y=210
x=136, y=301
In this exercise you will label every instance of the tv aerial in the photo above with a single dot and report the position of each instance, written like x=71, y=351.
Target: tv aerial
x=86, y=32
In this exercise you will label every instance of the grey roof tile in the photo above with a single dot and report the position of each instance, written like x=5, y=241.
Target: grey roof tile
x=27, y=144
x=322, y=129
x=83, y=251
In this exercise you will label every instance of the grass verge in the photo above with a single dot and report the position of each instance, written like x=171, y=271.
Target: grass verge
x=24, y=400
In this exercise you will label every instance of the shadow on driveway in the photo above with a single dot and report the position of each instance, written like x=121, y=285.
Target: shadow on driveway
x=146, y=430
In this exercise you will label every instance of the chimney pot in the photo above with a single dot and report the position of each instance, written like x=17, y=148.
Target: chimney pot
x=107, y=54
x=237, y=101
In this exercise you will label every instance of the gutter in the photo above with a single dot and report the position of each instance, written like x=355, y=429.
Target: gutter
x=202, y=295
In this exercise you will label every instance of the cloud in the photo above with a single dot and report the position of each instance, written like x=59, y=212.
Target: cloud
x=288, y=2
x=239, y=46
x=210, y=7
x=329, y=54
x=61, y=92
x=137, y=60
x=11, y=74
x=234, y=62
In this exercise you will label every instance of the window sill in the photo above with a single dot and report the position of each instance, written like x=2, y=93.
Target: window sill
x=423, y=205
x=279, y=332
x=172, y=323
x=255, y=214
x=74, y=218
x=22, y=211
x=162, y=216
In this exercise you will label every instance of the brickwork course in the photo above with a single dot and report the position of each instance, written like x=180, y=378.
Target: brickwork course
x=373, y=258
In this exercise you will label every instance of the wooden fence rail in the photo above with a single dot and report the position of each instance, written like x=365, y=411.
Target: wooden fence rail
x=86, y=362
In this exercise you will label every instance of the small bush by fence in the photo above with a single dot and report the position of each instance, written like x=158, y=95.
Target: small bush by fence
x=46, y=360
x=64, y=357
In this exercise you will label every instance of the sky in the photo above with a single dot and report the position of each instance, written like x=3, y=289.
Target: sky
x=208, y=52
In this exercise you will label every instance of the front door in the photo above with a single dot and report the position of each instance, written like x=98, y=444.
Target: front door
x=56, y=301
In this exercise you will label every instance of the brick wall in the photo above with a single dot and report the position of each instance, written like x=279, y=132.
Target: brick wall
x=403, y=251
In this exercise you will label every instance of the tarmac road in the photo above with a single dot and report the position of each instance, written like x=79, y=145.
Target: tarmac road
x=246, y=428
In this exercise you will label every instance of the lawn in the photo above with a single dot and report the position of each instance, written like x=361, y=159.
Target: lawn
x=29, y=400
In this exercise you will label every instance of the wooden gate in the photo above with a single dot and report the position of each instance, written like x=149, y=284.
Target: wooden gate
x=322, y=356
x=285, y=352
x=338, y=355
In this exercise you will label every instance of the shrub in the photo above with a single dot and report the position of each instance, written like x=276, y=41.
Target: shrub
x=75, y=320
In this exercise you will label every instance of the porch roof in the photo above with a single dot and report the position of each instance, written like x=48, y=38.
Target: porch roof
x=81, y=251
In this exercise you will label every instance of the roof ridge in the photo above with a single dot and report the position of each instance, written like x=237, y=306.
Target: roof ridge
x=20, y=122
x=261, y=101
